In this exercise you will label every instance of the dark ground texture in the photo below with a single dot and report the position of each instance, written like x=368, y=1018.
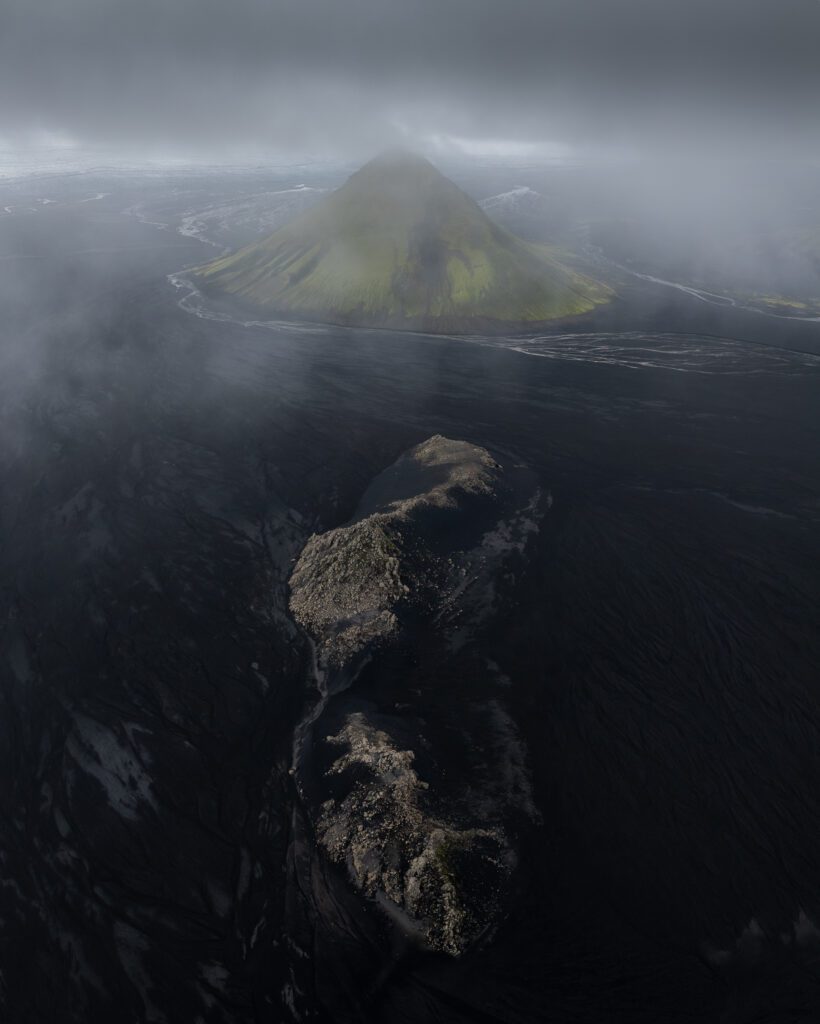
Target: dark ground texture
x=160, y=471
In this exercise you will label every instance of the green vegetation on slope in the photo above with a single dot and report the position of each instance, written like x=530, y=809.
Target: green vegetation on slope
x=400, y=245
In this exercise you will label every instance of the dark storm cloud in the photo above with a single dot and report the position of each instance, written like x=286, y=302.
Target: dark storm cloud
x=342, y=74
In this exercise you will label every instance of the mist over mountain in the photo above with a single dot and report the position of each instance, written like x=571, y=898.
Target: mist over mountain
x=399, y=245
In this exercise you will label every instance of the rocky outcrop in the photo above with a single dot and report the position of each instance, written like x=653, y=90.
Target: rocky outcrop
x=423, y=832
x=349, y=583
x=444, y=877
x=345, y=588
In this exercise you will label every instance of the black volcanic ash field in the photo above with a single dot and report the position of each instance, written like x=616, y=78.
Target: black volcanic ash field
x=656, y=648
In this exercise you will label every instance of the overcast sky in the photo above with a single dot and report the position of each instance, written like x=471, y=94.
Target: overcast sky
x=222, y=78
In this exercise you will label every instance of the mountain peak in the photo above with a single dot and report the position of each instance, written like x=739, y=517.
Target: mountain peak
x=397, y=165
x=397, y=157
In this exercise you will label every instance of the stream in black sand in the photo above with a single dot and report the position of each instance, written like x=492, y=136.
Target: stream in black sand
x=659, y=651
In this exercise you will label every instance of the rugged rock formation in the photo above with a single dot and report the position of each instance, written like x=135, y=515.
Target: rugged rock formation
x=443, y=875
x=423, y=834
x=348, y=584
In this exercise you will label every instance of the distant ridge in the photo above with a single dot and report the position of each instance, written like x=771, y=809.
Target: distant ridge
x=401, y=246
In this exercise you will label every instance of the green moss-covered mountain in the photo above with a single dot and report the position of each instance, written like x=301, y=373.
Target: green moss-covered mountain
x=401, y=246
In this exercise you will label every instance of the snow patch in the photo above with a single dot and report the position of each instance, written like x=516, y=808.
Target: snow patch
x=510, y=200
x=115, y=761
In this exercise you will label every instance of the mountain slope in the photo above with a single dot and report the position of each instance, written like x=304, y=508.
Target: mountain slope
x=399, y=245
